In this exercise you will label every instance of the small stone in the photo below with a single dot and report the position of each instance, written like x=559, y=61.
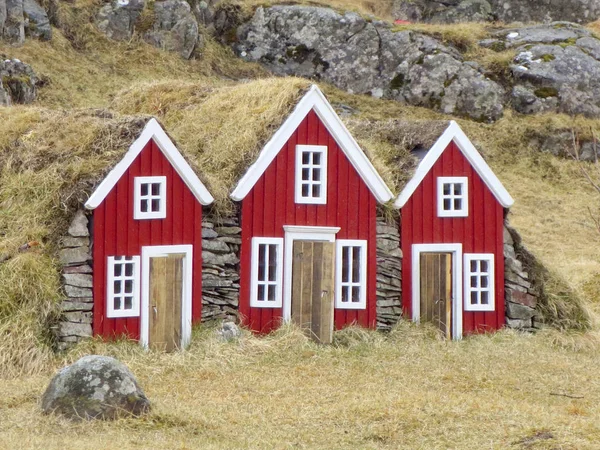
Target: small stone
x=70, y=242
x=215, y=246
x=79, y=225
x=522, y=298
x=75, y=329
x=76, y=292
x=67, y=305
x=517, y=311
x=228, y=332
x=78, y=280
x=228, y=231
x=77, y=269
x=219, y=260
x=74, y=256
x=209, y=233
x=78, y=316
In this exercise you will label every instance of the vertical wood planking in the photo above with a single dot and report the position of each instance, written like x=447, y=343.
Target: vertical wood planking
x=99, y=268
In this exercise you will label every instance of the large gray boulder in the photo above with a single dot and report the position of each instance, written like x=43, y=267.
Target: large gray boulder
x=17, y=82
x=14, y=24
x=20, y=18
x=556, y=69
x=174, y=29
x=95, y=387
x=446, y=11
x=117, y=19
x=363, y=56
x=36, y=21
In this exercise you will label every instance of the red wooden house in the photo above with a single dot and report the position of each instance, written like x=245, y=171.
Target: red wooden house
x=308, y=219
x=452, y=219
x=147, y=244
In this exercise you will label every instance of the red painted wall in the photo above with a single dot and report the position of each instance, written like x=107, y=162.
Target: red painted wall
x=270, y=205
x=480, y=232
x=116, y=233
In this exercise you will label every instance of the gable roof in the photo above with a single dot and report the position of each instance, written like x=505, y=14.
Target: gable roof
x=154, y=131
x=456, y=134
x=314, y=99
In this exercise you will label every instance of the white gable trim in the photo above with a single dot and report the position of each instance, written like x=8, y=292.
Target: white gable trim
x=152, y=130
x=314, y=99
x=454, y=133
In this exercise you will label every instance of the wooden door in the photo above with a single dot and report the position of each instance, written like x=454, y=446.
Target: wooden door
x=312, y=288
x=166, y=298
x=436, y=290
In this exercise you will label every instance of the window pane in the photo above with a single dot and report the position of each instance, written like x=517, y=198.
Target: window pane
x=272, y=262
x=316, y=158
x=316, y=190
x=473, y=266
x=483, y=265
x=447, y=204
x=144, y=206
x=474, y=280
x=474, y=298
x=447, y=188
x=129, y=286
x=457, y=189
x=345, y=294
x=356, y=265
x=117, y=269
x=305, y=190
x=356, y=294
x=485, y=297
x=128, y=303
x=271, y=291
x=117, y=287
x=345, y=264
x=316, y=174
x=156, y=205
x=262, y=262
x=155, y=188
x=305, y=174
x=116, y=303
x=457, y=204
x=484, y=281
x=305, y=157
x=261, y=293
x=129, y=270
x=144, y=189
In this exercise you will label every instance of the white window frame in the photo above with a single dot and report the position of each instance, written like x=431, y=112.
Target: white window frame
x=138, y=214
x=489, y=258
x=322, y=198
x=362, y=283
x=254, y=302
x=464, y=211
x=457, y=304
x=111, y=312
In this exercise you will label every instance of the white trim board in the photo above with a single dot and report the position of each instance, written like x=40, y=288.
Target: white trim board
x=300, y=233
x=314, y=99
x=186, y=310
x=456, y=134
x=457, y=300
x=154, y=131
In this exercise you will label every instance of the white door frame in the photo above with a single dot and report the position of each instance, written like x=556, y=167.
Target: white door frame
x=299, y=233
x=186, y=298
x=457, y=300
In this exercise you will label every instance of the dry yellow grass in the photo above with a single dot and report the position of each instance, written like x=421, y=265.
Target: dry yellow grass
x=408, y=389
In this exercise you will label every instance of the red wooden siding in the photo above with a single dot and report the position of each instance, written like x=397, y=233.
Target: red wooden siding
x=270, y=205
x=116, y=233
x=480, y=232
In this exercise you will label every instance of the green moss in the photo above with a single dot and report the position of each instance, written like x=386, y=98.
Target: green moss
x=298, y=53
x=548, y=57
x=568, y=43
x=498, y=46
x=545, y=92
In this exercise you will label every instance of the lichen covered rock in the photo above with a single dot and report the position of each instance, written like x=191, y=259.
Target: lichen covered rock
x=95, y=387
x=18, y=82
x=117, y=19
x=174, y=29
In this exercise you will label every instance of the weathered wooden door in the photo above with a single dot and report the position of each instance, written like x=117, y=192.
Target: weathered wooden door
x=166, y=294
x=436, y=290
x=312, y=288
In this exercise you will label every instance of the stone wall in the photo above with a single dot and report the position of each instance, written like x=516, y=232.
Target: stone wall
x=75, y=258
x=221, y=240
x=521, y=296
x=389, y=275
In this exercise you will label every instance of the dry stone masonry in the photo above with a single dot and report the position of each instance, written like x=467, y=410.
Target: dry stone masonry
x=520, y=294
x=389, y=275
x=77, y=277
x=221, y=240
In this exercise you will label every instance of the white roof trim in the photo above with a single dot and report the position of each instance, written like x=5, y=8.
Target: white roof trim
x=314, y=99
x=454, y=133
x=152, y=130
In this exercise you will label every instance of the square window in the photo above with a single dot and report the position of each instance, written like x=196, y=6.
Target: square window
x=452, y=196
x=123, y=286
x=311, y=174
x=266, y=290
x=479, y=281
x=150, y=198
x=351, y=274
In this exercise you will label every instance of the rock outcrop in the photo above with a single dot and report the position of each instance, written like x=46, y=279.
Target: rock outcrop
x=117, y=19
x=452, y=11
x=363, y=56
x=95, y=387
x=556, y=69
x=20, y=18
x=389, y=275
x=18, y=82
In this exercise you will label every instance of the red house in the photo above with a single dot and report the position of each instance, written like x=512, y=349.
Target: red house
x=147, y=244
x=452, y=216
x=308, y=212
